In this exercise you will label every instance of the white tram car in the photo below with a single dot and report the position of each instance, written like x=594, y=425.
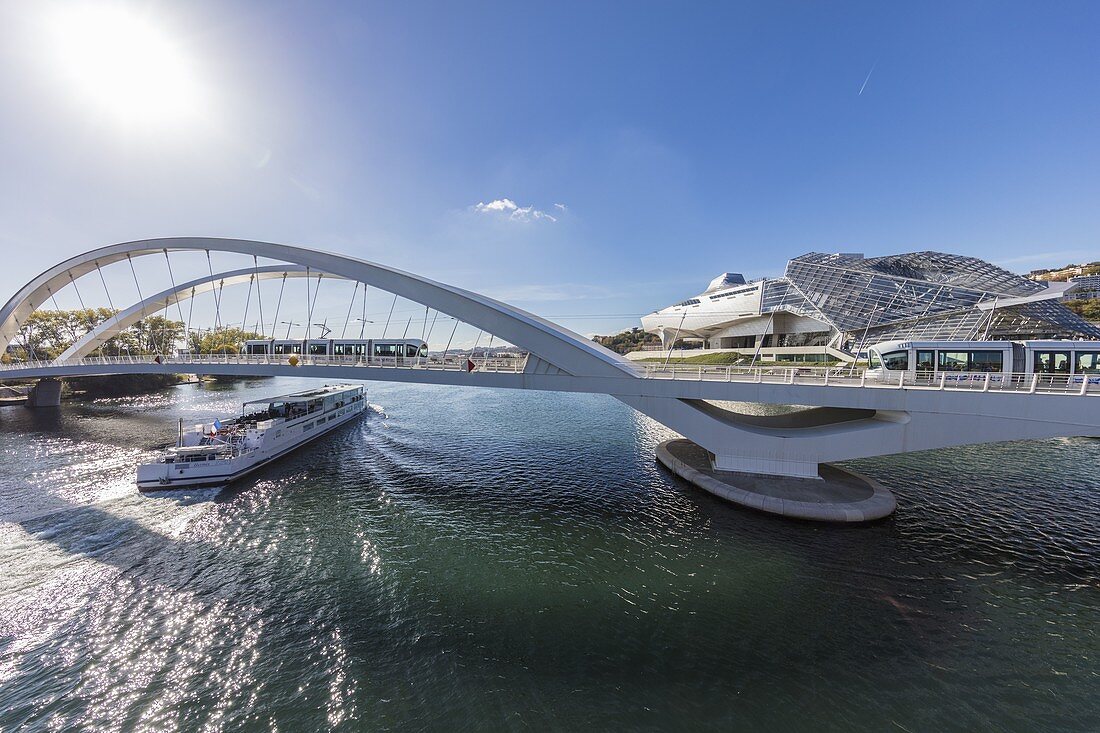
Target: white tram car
x=337, y=349
x=1071, y=361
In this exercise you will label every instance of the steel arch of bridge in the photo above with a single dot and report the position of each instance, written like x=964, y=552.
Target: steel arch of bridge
x=558, y=347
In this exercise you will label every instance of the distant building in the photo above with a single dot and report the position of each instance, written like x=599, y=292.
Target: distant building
x=829, y=306
x=1085, y=287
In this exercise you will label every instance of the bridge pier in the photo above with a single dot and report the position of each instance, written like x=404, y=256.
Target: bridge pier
x=46, y=393
x=834, y=495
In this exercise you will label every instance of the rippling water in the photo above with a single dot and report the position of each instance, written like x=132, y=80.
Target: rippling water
x=476, y=559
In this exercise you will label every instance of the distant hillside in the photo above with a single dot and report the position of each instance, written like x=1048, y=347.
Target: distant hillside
x=626, y=341
x=1062, y=274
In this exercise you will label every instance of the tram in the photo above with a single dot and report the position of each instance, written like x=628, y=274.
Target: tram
x=928, y=359
x=351, y=349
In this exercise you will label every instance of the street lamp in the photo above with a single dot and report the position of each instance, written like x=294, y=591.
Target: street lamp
x=288, y=325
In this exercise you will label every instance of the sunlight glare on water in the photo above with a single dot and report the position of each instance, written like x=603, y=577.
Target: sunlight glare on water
x=493, y=559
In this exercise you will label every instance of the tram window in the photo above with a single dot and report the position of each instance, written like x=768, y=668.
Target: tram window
x=1088, y=362
x=896, y=361
x=318, y=348
x=926, y=361
x=953, y=361
x=1052, y=362
x=410, y=350
x=257, y=348
x=385, y=349
x=424, y=351
x=986, y=361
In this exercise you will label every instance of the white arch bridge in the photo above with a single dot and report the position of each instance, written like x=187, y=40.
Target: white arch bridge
x=846, y=416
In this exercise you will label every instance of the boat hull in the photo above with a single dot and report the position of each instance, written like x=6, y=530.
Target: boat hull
x=170, y=476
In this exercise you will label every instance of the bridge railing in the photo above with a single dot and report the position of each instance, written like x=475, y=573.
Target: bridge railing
x=450, y=363
x=843, y=376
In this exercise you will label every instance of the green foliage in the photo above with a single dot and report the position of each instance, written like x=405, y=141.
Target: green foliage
x=627, y=341
x=225, y=340
x=1089, y=308
x=721, y=357
x=45, y=334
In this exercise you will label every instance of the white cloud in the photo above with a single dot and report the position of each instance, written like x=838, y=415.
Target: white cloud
x=560, y=207
x=514, y=212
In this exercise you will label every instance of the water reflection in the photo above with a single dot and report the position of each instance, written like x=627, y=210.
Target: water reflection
x=464, y=558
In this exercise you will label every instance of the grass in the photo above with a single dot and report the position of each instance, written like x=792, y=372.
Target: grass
x=735, y=359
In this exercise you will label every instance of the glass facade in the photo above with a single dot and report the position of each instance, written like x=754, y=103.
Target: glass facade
x=920, y=295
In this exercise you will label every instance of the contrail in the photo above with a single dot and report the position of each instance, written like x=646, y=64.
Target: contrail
x=868, y=78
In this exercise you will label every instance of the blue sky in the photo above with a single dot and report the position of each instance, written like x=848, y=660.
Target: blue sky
x=646, y=147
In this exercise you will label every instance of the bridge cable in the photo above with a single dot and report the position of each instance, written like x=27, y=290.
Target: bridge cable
x=351, y=304
x=423, y=331
x=26, y=340
x=141, y=298
x=56, y=307
x=83, y=307
x=406, y=332
x=387, y=327
x=446, y=350
x=429, y=336
x=278, y=307
x=473, y=351
x=316, y=292
x=110, y=302
x=216, y=292
x=191, y=312
x=247, y=302
x=307, y=308
x=259, y=300
x=363, y=319
x=218, y=316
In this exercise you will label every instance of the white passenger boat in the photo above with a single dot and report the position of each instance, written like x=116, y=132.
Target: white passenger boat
x=218, y=452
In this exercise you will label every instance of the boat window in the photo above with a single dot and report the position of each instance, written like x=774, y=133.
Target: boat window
x=954, y=361
x=872, y=360
x=896, y=361
x=926, y=361
x=1052, y=362
x=1088, y=362
x=986, y=361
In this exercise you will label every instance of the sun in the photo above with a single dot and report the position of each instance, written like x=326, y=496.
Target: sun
x=122, y=65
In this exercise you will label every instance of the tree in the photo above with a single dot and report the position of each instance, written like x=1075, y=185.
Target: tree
x=224, y=340
x=45, y=334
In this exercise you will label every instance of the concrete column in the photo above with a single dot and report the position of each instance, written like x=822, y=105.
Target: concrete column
x=47, y=393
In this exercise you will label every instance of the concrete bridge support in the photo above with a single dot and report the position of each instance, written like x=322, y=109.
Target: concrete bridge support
x=47, y=393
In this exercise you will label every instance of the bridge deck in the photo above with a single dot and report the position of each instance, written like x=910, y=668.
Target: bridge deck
x=381, y=368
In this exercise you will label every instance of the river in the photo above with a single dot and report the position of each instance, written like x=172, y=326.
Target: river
x=464, y=559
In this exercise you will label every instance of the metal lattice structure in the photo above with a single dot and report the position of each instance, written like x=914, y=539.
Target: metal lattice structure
x=850, y=300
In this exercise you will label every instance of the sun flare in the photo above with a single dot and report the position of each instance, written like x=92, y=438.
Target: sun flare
x=123, y=65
